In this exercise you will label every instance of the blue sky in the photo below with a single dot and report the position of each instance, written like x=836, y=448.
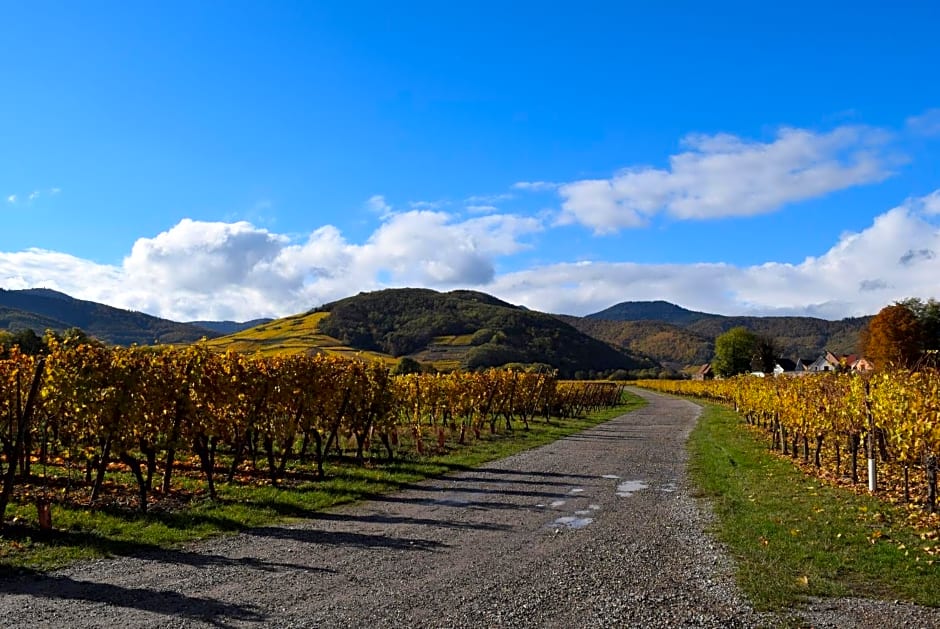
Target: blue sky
x=237, y=159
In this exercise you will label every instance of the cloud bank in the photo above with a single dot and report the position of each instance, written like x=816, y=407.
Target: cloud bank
x=894, y=258
x=212, y=270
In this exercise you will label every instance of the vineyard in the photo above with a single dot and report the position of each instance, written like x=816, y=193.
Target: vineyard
x=829, y=420
x=81, y=412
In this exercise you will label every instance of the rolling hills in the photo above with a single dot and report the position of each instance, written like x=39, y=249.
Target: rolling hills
x=679, y=337
x=40, y=309
x=457, y=329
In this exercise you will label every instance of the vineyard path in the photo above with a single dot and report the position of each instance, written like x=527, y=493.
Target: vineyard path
x=598, y=529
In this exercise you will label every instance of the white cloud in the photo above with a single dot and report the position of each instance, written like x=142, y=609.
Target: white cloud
x=488, y=199
x=535, y=186
x=929, y=204
x=32, y=196
x=201, y=257
x=898, y=256
x=928, y=123
x=723, y=175
x=481, y=209
x=198, y=270
x=376, y=203
x=426, y=205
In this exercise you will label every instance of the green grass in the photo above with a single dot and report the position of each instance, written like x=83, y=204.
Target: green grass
x=792, y=536
x=80, y=533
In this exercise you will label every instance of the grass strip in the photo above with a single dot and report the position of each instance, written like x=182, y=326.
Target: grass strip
x=81, y=533
x=793, y=536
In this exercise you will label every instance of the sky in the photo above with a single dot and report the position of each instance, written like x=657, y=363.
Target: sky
x=231, y=160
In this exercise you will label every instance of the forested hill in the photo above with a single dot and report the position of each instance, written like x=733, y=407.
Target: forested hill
x=686, y=337
x=666, y=343
x=228, y=327
x=474, y=328
x=661, y=311
x=40, y=309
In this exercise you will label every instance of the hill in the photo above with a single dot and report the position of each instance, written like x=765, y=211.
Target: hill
x=661, y=311
x=475, y=329
x=40, y=309
x=671, y=345
x=686, y=337
x=14, y=319
x=296, y=334
x=229, y=327
x=456, y=329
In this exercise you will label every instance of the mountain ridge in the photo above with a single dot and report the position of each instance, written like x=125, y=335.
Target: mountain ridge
x=460, y=328
x=690, y=334
x=42, y=308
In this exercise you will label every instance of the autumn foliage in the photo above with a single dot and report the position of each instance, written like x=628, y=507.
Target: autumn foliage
x=894, y=338
x=828, y=420
x=90, y=409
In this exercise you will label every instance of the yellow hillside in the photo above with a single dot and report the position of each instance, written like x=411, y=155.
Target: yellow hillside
x=295, y=334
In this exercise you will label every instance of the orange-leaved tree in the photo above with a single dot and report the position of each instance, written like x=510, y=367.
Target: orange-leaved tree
x=893, y=338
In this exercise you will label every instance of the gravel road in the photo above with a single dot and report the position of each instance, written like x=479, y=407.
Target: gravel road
x=595, y=530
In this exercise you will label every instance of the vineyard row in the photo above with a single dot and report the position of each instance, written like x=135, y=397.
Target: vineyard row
x=895, y=415
x=87, y=406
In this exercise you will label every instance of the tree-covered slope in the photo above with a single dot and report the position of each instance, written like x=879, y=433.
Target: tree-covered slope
x=661, y=311
x=794, y=336
x=673, y=335
x=403, y=322
x=664, y=342
x=14, y=319
x=39, y=309
x=228, y=327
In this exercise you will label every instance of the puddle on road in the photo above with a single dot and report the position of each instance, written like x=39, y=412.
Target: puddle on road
x=556, y=504
x=576, y=490
x=583, y=512
x=594, y=507
x=630, y=487
x=668, y=488
x=611, y=476
x=572, y=522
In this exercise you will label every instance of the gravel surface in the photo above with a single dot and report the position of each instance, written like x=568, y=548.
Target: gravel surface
x=595, y=530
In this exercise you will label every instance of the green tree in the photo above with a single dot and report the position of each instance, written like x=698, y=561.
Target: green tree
x=28, y=341
x=765, y=354
x=734, y=351
x=928, y=314
x=406, y=365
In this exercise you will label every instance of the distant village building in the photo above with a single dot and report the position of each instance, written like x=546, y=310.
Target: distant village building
x=704, y=372
x=803, y=364
x=831, y=362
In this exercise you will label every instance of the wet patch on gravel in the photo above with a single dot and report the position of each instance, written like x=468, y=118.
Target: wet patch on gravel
x=452, y=501
x=629, y=487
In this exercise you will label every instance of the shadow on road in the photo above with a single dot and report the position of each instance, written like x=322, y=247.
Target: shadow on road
x=342, y=538
x=377, y=518
x=166, y=603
